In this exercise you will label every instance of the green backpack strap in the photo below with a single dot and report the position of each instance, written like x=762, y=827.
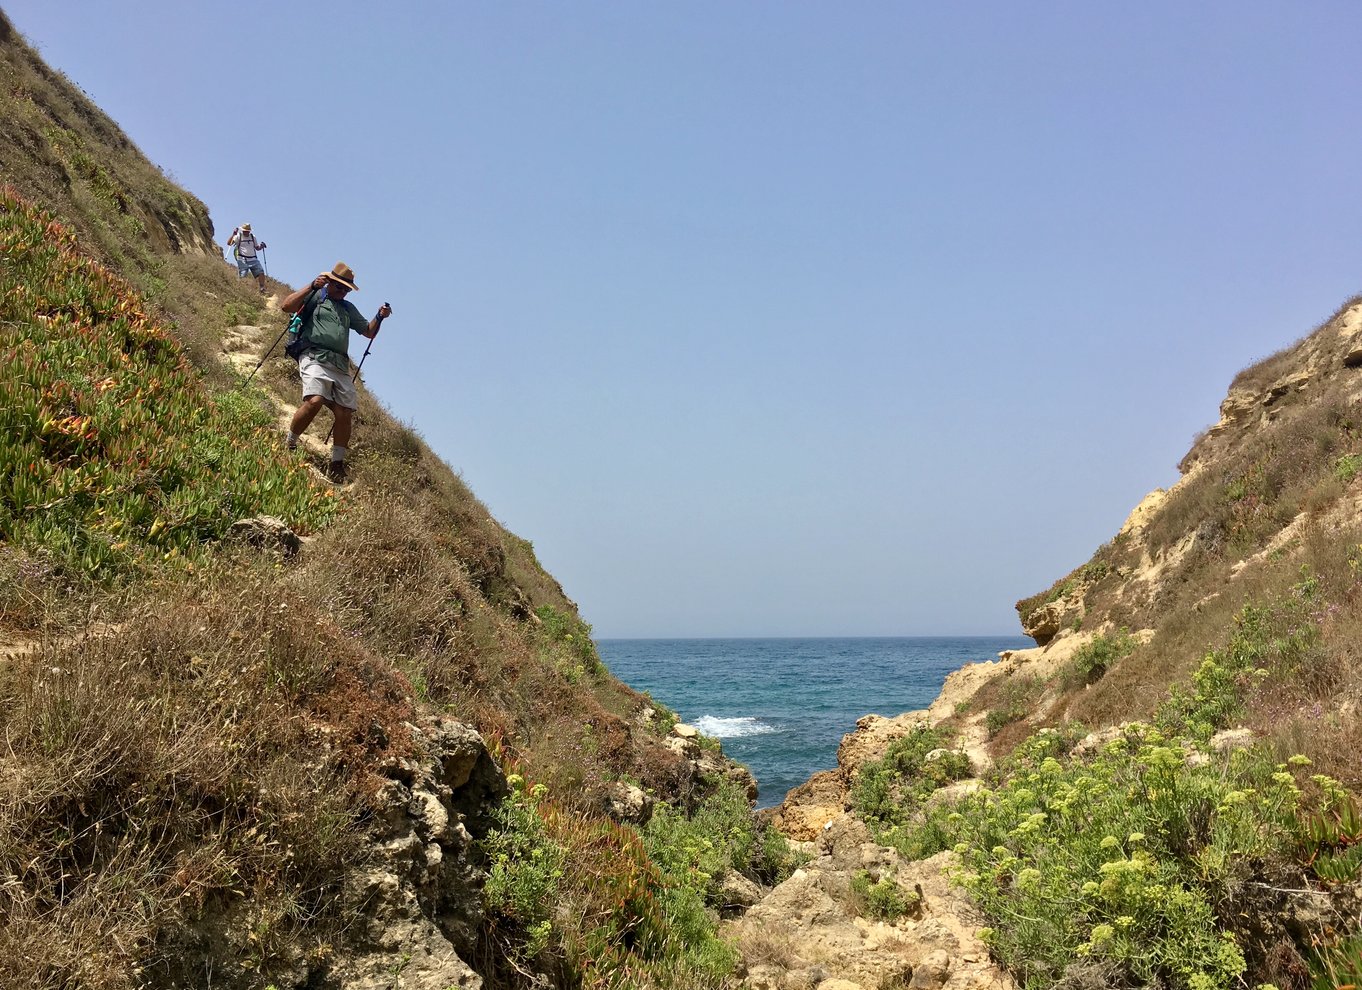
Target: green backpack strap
x=300, y=342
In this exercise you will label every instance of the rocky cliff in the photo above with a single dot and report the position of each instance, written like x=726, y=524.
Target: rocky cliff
x=1222, y=619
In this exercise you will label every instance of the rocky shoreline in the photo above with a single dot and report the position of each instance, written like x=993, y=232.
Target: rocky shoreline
x=811, y=930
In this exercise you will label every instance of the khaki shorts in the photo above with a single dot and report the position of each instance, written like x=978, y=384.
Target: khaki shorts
x=330, y=383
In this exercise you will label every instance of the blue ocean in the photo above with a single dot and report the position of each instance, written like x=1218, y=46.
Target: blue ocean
x=781, y=706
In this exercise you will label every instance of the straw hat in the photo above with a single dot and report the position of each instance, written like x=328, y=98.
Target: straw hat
x=245, y=226
x=343, y=274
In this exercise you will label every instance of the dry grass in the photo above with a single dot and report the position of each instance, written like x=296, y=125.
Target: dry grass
x=1258, y=481
x=1264, y=372
x=1252, y=491
x=760, y=946
x=210, y=758
x=180, y=800
x=1303, y=703
x=1261, y=374
x=62, y=150
x=1309, y=703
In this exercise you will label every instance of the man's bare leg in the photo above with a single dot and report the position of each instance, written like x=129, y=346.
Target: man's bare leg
x=305, y=414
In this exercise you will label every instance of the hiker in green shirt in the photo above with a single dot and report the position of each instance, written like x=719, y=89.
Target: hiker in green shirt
x=328, y=318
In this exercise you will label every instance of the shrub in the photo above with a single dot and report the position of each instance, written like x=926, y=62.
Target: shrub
x=882, y=897
x=998, y=719
x=1347, y=467
x=525, y=873
x=888, y=791
x=1278, y=635
x=1123, y=859
x=1120, y=859
x=1010, y=700
x=602, y=905
x=1095, y=657
x=567, y=644
x=237, y=313
x=720, y=836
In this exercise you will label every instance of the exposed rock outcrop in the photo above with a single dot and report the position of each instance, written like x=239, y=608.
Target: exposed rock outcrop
x=810, y=930
x=268, y=533
x=707, y=760
x=416, y=901
x=627, y=803
x=1279, y=470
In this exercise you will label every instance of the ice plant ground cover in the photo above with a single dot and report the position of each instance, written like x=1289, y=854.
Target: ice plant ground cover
x=111, y=452
x=211, y=753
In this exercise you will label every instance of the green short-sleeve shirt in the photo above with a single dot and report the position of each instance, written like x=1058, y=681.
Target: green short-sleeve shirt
x=329, y=331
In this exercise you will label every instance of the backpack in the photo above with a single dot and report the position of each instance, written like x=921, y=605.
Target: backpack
x=298, y=338
x=241, y=238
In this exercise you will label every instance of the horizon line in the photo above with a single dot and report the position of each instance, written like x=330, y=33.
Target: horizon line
x=601, y=639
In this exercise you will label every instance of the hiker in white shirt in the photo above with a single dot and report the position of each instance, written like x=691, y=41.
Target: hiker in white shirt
x=244, y=246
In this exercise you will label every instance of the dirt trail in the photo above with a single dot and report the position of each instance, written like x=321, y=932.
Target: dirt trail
x=242, y=348
x=16, y=643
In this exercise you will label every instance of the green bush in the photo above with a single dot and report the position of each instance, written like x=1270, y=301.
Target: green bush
x=566, y=644
x=608, y=906
x=237, y=314
x=1097, y=656
x=882, y=898
x=889, y=790
x=1347, y=467
x=998, y=719
x=1281, y=634
x=525, y=872
x=720, y=836
x=1120, y=859
x=693, y=853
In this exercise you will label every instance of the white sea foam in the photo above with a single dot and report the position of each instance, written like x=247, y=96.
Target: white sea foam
x=732, y=728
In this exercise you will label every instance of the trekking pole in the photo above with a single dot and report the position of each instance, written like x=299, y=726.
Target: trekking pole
x=264, y=261
x=355, y=377
x=265, y=358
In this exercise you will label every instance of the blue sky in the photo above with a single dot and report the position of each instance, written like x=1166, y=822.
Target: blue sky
x=778, y=319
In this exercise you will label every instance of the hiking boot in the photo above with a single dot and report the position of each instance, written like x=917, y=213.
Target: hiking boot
x=290, y=443
x=337, y=473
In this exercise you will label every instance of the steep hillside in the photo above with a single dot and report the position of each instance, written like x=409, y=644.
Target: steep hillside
x=1269, y=507
x=1163, y=792
x=261, y=731
x=65, y=152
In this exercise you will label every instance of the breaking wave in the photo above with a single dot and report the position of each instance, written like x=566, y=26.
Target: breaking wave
x=732, y=728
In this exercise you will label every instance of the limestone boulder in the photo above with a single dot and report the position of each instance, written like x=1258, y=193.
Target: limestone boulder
x=1050, y=620
x=266, y=533
x=871, y=739
x=807, y=933
x=953, y=793
x=810, y=806
x=737, y=893
x=627, y=803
